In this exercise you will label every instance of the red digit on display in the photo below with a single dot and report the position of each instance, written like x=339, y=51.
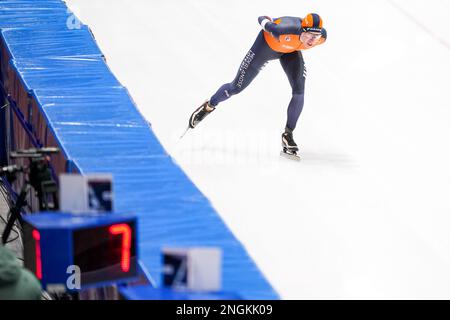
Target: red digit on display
x=37, y=238
x=125, y=231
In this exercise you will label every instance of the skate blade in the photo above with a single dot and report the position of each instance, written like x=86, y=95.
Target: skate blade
x=290, y=156
x=184, y=133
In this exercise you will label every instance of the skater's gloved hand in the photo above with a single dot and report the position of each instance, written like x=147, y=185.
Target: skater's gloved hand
x=263, y=21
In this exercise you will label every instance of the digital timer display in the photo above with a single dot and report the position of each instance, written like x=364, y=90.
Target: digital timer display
x=104, y=253
x=103, y=247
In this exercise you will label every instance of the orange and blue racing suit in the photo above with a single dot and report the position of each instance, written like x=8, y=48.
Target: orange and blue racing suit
x=279, y=39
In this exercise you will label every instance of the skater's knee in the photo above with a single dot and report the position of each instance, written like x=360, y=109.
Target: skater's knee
x=298, y=91
x=234, y=89
x=298, y=86
x=298, y=95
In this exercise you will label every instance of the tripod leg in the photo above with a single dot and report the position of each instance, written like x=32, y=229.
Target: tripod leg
x=15, y=213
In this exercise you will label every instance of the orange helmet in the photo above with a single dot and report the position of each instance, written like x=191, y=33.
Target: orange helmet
x=312, y=23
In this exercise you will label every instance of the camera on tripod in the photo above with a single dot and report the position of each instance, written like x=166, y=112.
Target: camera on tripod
x=38, y=174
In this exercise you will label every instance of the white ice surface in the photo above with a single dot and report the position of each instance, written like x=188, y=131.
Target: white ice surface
x=366, y=213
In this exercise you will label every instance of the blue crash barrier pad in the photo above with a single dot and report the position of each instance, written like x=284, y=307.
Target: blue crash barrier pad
x=96, y=121
x=20, y=4
x=50, y=42
x=110, y=117
x=64, y=73
x=34, y=13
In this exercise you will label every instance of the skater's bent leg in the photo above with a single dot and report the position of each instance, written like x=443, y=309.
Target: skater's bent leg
x=242, y=80
x=255, y=59
x=224, y=92
x=294, y=68
x=294, y=110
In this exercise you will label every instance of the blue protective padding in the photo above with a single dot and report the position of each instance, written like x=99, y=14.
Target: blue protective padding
x=149, y=293
x=75, y=114
x=100, y=129
x=50, y=42
x=113, y=108
x=20, y=4
x=25, y=20
x=64, y=73
x=33, y=13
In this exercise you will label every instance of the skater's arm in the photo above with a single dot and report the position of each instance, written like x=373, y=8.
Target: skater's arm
x=269, y=26
x=264, y=21
x=276, y=28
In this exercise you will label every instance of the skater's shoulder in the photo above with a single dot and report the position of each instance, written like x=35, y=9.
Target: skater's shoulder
x=287, y=20
x=288, y=24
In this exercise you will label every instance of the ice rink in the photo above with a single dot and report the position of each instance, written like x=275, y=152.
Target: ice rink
x=366, y=213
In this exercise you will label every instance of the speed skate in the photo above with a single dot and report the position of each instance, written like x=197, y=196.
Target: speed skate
x=288, y=154
x=289, y=146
